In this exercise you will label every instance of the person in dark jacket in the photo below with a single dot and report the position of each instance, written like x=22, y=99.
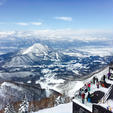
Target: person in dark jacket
x=89, y=97
x=93, y=80
x=104, y=77
x=83, y=97
x=97, y=83
x=80, y=92
x=96, y=80
x=109, y=74
x=85, y=88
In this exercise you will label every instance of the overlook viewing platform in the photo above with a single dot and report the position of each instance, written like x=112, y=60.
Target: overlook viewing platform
x=96, y=96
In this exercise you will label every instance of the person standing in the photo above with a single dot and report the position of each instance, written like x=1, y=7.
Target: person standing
x=85, y=88
x=109, y=74
x=97, y=83
x=80, y=92
x=83, y=97
x=104, y=77
x=89, y=86
x=89, y=97
x=93, y=80
x=96, y=80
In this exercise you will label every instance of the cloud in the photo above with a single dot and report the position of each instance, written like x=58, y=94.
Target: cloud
x=64, y=18
x=72, y=34
x=69, y=35
x=22, y=24
x=29, y=23
x=65, y=35
x=36, y=23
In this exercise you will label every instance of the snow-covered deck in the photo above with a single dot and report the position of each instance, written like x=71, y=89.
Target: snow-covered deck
x=88, y=105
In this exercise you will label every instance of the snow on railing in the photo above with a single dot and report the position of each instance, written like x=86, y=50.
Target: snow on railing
x=104, y=99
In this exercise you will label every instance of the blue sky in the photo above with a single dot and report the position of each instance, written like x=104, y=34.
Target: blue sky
x=56, y=14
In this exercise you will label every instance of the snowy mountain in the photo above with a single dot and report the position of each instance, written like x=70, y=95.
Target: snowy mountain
x=33, y=55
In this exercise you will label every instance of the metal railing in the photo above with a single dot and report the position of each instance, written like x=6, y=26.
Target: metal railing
x=105, y=97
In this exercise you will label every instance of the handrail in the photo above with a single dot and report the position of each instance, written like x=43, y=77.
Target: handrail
x=104, y=98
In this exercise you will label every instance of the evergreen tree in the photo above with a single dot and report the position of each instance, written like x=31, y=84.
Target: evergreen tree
x=9, y=109
x=59, y=100
x=24, y=106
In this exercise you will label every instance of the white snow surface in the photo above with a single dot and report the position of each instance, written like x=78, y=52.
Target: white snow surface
x=62, y=108
x=37, y=49
x=71, y=87
x=50, y=82
x=88, y=107
x=29, y=81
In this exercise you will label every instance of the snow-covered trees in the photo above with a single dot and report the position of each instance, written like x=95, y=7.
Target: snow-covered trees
x=59, y=100
x=9, y=109
x=24, y=106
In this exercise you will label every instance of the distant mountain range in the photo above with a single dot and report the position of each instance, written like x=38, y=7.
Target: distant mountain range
x=40, y=61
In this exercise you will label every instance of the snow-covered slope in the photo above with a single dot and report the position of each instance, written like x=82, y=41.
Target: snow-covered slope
x=71, y=86
x=14, y=92
x=19, y=60
x=37, y=49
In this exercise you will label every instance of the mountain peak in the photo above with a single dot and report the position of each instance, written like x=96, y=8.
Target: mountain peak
x=37, y=49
